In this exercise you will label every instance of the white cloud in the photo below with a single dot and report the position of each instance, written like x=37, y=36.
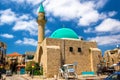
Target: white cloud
x=112, y=13
x=103, y=16
x=30, y=26
x=7, y=35
x=27, y=41
x=100, y=3
x=24, y=17
x=86, y=19
x=85, y=12
x=50, y=19
x=33, y=2
x=7, y=16
x=19, y=42
x=64, y=9
x=22, y=22
x=47, y=31
x=106, y=40
x=88, y=30
x=18, y=1
x=109, y=25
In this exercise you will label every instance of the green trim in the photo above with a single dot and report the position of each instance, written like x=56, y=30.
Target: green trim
x=88, y=73
x=41, y=8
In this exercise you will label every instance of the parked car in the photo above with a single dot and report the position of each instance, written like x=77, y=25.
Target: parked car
x=114, y=76
x=8, y=73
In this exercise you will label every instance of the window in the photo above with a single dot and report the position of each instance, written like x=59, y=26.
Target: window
x=112, y=53
x=71, y=49
x=98, y=56
x=79, y=49
x=30, y=57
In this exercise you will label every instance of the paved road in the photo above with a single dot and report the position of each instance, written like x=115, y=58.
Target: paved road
x=15, y=77
x=26, y=77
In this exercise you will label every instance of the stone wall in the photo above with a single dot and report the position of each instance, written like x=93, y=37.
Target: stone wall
x=96, y=58
x=54, y=51
x=43, y=57
x=53, y=61
x=112, y=57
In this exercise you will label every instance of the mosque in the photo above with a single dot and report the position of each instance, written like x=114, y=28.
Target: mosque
x=64, y=47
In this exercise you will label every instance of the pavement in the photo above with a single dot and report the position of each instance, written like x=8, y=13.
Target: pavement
x=27, y=77
x=80, y=77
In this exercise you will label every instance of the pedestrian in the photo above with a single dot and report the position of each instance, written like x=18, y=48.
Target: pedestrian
x=30, y=73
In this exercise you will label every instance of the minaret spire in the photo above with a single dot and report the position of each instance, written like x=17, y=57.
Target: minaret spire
x=41, y=8
x=41, y=20
x=41, y=23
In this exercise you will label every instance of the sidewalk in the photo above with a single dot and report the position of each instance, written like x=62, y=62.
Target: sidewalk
x=27, y=77
x=80, y=77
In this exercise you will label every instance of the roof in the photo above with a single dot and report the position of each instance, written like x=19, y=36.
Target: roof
x=64, y=33
x=15, y=54
x=21, y=65
x=95, y=49
x=41, y=8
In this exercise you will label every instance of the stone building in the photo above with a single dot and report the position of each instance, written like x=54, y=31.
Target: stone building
x=64, y=47
x=3, y=48
x=15, y=58
x=112, y=57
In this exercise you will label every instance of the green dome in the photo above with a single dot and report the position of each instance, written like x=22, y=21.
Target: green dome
x=64, y=33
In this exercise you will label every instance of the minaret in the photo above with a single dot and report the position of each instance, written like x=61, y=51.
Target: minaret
x=41, y=24
x=41, y=30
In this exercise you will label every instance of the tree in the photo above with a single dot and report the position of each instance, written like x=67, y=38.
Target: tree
x=37, y=70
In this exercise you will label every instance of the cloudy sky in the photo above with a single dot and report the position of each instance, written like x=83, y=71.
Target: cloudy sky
x=93, y=20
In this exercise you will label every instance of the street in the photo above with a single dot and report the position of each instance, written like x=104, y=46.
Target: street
x=15, y=77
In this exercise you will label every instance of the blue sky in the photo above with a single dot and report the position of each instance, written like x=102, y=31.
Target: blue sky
x=93, y=20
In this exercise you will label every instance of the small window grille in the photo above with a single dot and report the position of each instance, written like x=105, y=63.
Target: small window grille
x=71, y=49
x=79, y=49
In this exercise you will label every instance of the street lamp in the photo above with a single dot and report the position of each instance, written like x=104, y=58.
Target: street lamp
x=32, y=69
